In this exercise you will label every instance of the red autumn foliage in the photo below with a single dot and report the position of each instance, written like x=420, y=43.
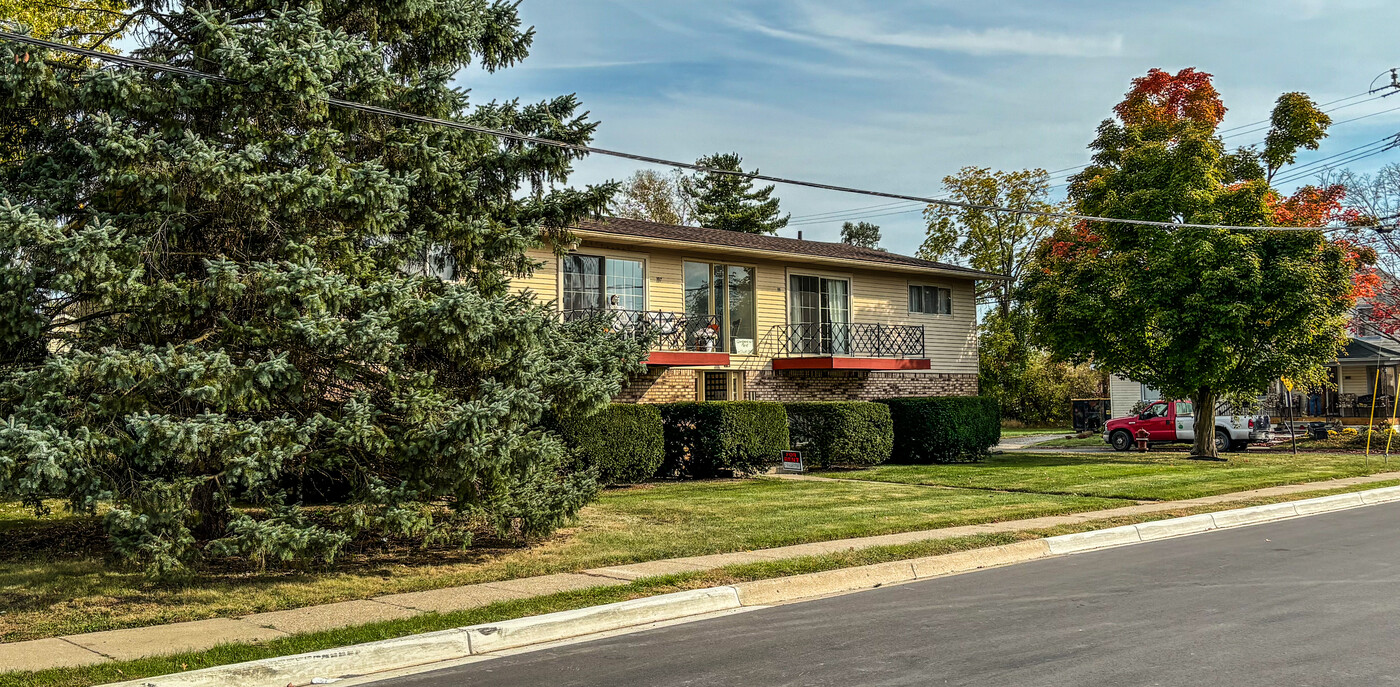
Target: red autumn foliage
x=1163, y=98
x=1366, y=283
x=1081, y=241
x=1383, y=317
x=1311, y=206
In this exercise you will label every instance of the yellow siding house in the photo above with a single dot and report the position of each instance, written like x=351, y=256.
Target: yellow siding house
x=741, y=316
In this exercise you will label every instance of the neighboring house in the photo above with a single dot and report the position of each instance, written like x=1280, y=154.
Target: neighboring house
x=742, y=316
x=1124, y=393
x=1352, y=379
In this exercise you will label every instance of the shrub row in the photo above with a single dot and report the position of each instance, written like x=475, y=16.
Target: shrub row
x=841, y=433
x=627, y=443
x=741, y=437
x=624, y=442
x=945, y=429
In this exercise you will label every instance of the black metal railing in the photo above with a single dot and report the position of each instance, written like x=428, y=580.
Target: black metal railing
x=668, y=331
x=857, y=340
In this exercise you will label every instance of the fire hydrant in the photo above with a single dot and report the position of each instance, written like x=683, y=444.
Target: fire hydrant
x=1142, y=437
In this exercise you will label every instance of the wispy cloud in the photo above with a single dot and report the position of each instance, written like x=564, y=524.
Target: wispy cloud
x=823, y=26
x=595, y=64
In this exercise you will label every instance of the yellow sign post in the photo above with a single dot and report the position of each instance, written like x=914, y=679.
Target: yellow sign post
x=1375, y=391
x=1390, y=426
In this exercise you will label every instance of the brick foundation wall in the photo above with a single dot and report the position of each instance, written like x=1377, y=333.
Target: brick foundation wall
x=853, y=385
x=664, y=385
x=659, y=385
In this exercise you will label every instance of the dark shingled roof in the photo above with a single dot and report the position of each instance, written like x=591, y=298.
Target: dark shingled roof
x=777, y=244
x=1357, y=350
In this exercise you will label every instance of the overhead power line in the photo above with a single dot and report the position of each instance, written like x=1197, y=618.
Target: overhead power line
x=1313, y=168
x=525, y=138
x=887, y=209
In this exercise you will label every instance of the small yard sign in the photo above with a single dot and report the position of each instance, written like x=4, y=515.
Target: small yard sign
x=792, y=460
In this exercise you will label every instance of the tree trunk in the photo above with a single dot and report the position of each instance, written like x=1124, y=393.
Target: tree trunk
x=1204, y=401
x=210, y=511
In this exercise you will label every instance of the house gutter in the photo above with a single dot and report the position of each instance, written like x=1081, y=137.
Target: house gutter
x=673, y=244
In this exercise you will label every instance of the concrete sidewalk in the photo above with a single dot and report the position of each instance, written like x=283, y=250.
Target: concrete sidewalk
x=120, y=645
x=1021, y=442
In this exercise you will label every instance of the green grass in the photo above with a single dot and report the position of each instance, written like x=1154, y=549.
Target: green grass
x=14, y=515
x=506, y=610
x=223, y=655
x=1157, y=476
x=44, y=596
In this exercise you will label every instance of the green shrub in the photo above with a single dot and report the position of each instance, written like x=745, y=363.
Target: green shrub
x=704, y=439
x=945, y=429
x=624, y=442
x=841, y=432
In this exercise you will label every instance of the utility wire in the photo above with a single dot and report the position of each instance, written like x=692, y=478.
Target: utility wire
x=861, y=213
x=525, y=138
x=1312, y=168
x=1339, y=163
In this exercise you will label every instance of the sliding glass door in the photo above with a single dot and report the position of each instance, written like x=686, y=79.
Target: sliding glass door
x=820, y=315
x=720, y=307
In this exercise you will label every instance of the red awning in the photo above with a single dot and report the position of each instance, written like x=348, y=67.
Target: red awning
x=679, y=358
x=844, y=363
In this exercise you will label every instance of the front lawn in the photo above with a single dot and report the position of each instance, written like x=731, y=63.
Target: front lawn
x=1157, y=476
x=45, y=593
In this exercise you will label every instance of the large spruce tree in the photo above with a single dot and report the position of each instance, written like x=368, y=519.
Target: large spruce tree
x=729, y=201
x=222, y=295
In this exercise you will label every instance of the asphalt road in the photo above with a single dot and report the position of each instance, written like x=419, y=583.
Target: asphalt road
x=1311, y=601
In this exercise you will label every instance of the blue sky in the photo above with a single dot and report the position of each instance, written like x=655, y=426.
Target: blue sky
x=895, y=94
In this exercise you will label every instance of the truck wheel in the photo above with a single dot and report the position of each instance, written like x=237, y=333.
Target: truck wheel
x=1222, y=440
x=1121, y=440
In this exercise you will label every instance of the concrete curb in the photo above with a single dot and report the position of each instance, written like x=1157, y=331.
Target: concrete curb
x=446, y=645
x=483, y=640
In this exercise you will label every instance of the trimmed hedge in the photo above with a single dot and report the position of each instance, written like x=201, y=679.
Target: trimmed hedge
x=944, y=429
x=841, y=432
x=624, y=442
x=705, y=439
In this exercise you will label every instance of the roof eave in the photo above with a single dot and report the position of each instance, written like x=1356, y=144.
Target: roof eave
x=632, y=239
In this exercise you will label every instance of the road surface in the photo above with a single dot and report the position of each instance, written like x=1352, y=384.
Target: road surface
x=1310, y=601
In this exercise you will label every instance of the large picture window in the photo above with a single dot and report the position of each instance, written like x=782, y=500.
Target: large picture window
x=930, y=300
x=593, y=282
x=721, y=298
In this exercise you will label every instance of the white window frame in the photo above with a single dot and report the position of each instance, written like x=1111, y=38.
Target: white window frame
x=605, y=253
x=909, y=300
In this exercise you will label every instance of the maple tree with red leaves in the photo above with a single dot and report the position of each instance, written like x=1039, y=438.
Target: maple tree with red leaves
x=1165, y=98
x=1199, y=313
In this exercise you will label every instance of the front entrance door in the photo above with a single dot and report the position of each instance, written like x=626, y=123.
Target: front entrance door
x=714, y=386
x=719, y=385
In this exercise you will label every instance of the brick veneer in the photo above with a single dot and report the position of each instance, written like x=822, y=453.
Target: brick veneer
x=664, y=385
x=659, y=385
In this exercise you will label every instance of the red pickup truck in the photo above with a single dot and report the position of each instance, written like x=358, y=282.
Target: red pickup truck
x=1169, y=422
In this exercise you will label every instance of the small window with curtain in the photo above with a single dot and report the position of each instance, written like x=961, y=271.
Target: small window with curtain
x=930, y=300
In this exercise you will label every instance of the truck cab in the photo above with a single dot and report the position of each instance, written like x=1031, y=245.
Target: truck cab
x=1168, y=422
